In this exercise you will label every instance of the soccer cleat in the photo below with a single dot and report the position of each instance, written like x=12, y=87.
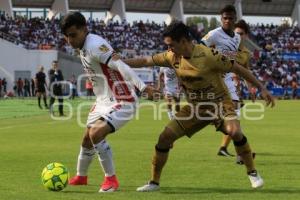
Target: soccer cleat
x=151, y=186
x=255, y=179
x=223, y=152
x=239, y=159
x=110, y=184
x=78, y=180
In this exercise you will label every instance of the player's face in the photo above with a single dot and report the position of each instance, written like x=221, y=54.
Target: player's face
x=174, y=46
x=228, y=20
x=241, y=32
x=76, y=36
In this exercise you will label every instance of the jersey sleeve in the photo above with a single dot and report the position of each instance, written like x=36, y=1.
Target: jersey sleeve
x=101, y=51
x=218, y=61
x=163, y=59
x=208, y=39
x=127, y=73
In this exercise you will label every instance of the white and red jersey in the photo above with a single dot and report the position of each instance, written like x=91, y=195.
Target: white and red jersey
x=227, y=46
x=170, y=79
x=113, y=80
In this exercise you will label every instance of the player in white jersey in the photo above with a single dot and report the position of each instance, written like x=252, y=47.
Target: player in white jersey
x=171, y=89
x=226, y=41
x=113, y=85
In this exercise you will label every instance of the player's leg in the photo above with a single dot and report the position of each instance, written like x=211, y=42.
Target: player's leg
x=182, y=125
x=226, y=139
x=176, y=98
x=242, y=147
x=98, y=132
x=159, y=159
x=224, y=144
x=85, y=158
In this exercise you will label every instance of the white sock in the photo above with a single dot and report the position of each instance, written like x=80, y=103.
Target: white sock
x=85, y=158
x=170, y=115
x=105, y=158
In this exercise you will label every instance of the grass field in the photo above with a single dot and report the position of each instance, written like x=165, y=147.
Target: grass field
x=30, y=139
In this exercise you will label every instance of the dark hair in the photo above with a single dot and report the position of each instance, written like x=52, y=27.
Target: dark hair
x=243, y=25
x=228, y=9
x=177, y=30
x=71, y=19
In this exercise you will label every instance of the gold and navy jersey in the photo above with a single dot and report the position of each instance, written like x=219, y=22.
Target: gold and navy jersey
x=201, y=74
x=243, y=57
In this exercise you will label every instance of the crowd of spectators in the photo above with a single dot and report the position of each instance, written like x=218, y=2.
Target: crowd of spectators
x=143, y=38
x=275, y=64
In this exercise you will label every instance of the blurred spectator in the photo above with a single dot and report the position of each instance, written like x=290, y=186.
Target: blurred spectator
x=20, y=86
x=4, y=85
x=32, y=84
x=26, y=88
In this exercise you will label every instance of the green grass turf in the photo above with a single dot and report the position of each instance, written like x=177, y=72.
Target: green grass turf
x=30, y=139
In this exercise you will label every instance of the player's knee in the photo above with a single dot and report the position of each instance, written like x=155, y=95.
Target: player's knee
x=166, y=139
x=233, y=131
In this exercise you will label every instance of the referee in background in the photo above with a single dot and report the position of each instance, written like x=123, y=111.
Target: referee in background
x=55, y=76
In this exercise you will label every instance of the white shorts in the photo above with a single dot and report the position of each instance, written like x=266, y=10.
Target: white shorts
x=116, y=115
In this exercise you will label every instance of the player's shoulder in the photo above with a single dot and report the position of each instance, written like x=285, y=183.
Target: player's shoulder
x=215, y=31
x=95, y=42
x=202, y=50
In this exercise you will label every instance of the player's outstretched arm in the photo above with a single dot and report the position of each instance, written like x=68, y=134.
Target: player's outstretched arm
x=246, y=74
x=140, y=62
x=152, y=93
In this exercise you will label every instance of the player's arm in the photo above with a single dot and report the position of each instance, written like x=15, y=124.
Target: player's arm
x=140, y=62
x=131, y=76
x=208, y=39
x=247, y=75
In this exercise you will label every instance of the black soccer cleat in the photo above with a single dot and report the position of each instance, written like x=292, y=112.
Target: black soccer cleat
x=223, y=152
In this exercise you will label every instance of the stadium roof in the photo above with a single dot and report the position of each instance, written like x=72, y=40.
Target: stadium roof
x=249, y=7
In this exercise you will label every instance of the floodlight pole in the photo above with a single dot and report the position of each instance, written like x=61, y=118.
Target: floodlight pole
x=118, y=8
x=296, y=13
x=176, y=12
x=58, y=6
x=238, y=7
x=6, y=6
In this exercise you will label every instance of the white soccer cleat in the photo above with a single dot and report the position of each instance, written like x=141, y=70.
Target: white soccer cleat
x=149, y=187
x=255, y=179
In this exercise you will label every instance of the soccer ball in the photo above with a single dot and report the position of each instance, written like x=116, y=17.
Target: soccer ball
x=55, y=176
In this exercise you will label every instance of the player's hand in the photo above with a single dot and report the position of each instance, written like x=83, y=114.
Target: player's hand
x=115, y=56
x=265, y=94
x=151, y=93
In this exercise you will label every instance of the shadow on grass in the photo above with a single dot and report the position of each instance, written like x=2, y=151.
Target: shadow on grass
x=188, y=190
x=276, y=154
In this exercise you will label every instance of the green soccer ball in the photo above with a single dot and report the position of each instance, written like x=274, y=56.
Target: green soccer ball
x=55, y=176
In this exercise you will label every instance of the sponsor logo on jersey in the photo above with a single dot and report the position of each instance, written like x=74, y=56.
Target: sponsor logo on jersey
x=104, y=48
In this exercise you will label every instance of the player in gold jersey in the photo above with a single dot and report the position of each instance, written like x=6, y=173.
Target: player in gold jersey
x=200, y=71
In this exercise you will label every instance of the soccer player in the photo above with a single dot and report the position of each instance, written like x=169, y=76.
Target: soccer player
x=40, y=87
x=171, y=89
x=243, y=58
x=200, y=71
x=227, y=42
x=113, y=84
